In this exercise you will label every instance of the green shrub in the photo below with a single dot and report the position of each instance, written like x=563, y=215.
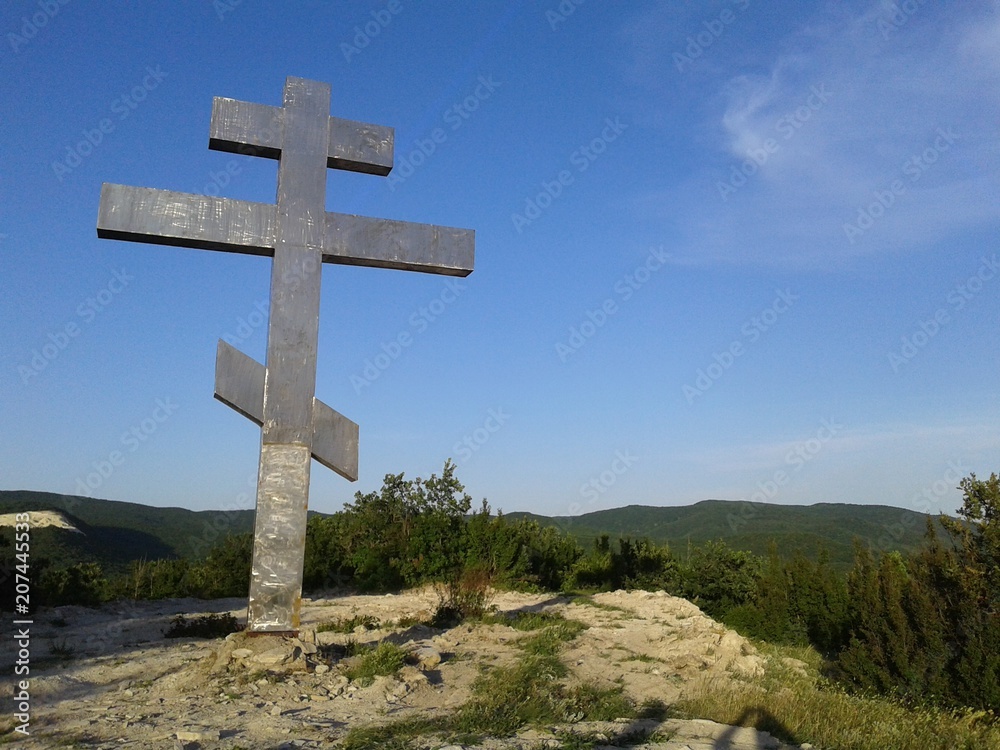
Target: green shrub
x=507, y=698
x=349, y=624
x=203, y=626
x=925, y=627
x=467, y=596
x=718, y=578
x=531, y=620
x=83, y=583
x=550, y=640
x=385, y=659
x=589, y=702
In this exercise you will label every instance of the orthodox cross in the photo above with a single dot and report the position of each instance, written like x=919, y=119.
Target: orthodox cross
x=300, y=235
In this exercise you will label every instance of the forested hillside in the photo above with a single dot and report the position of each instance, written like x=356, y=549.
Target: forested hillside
x=118, y=532
x=754, y=526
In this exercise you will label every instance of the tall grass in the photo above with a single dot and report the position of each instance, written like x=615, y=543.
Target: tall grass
x=806, y=708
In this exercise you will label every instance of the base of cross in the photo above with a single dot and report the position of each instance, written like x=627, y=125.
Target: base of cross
x=290, y=651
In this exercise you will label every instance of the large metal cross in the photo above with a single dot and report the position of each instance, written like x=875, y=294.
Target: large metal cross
x=300, y=235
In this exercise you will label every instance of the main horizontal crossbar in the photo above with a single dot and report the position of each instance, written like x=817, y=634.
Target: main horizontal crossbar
x=169, y=218
x=164, y=217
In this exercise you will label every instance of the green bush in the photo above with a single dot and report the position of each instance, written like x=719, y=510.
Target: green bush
x=467, y=596
x=349, y=624
x=83, y=583
x=203, y=626
x=718, y=578
x=385, y=659
x=926, y=627
x=797, y=602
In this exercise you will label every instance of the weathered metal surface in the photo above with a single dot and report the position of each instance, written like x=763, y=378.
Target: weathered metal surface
x=256, y=129
x=242, y=127
x=293, y=326
x=360, y=147
x=300, y=235
x=164, y=217
x=279, y=538
x=335, y=441
x=382, y=243
x=239, y=383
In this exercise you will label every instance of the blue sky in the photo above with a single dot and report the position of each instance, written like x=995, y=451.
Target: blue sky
x=733, y=250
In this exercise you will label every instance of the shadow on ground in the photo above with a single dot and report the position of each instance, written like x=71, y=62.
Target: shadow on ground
x=762, y=720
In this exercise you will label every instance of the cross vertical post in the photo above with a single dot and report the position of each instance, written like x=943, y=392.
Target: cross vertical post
x=300, y=235
x=290, y=377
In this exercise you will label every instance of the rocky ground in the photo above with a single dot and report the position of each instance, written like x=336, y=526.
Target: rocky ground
x=107, y=678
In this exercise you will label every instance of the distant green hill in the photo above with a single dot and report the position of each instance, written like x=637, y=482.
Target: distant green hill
x=751, y=526
x=115, y=533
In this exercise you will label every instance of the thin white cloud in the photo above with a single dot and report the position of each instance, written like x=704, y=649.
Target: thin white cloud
x=969, y=439
x=848, y=109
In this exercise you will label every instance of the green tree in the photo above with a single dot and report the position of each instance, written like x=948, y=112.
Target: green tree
x=974, y=572
x=595, y=570
x=83, y=583
x=718, y=578
x=226, y=570
x=928, y=626
x=898, y=640
x=499, y=548
x=642, y=564
x=551, y=553
x=769, y=615
x=977, y=538
x=818, y=602
x=410, y=532
x=326, y=563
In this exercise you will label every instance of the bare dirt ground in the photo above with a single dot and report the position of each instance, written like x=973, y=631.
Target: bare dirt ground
x=107, y=678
